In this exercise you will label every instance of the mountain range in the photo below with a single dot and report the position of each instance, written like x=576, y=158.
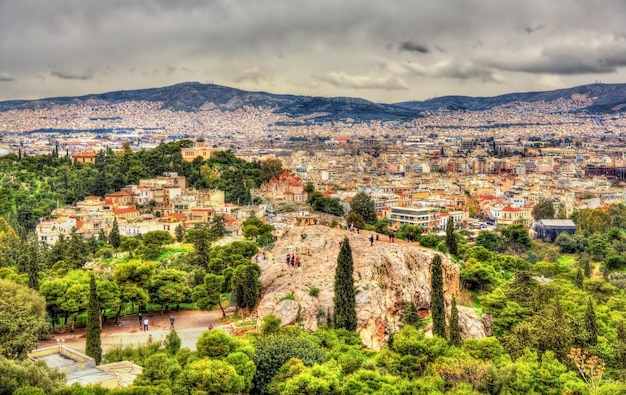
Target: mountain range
x=195, y=96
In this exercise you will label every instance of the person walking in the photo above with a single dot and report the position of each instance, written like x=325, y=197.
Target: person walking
x=171, y=322
x=297, y=262
x=145, y=324
x=288, y=259
x=140, y=321
x=371, y=239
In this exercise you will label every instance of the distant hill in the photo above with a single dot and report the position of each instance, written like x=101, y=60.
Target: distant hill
x=194, y=96
x=609, y=98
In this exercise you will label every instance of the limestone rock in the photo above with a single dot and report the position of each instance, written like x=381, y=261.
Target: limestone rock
x=387, y=277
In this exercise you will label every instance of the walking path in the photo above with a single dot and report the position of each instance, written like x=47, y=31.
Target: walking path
x=189, y=325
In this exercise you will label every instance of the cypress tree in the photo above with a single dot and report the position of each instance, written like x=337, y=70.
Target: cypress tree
x=114, y=235
x=591, y=327
x=620, y=346
x=450, y=237
x=579, y=279
x=455, y=330
x=93, y=347
x=587, y=268
x=437, y=303
x=344, y=313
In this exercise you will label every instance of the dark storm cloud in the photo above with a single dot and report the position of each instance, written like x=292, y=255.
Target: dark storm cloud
x=532, y=29
x=72, y=75
x=411, y=46
x=6, y=77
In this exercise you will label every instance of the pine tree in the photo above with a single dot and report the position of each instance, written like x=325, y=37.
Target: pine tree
x=591, y=327
x=344, y=313
x=455, y=330
x=450, y=237
x=93, y=347
x=114, y=235
x=437, y=303
x=579, y=279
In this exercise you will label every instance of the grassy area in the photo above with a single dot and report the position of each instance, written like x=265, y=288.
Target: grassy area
x=568, y=260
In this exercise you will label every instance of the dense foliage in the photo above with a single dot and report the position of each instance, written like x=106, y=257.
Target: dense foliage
x=557, y=309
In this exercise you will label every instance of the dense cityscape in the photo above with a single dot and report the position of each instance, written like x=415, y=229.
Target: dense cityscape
x=150, y=209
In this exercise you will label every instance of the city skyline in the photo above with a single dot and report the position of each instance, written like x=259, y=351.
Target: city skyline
x=377, y=51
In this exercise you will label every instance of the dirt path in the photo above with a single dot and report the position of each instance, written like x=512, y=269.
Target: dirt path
x=189, y=325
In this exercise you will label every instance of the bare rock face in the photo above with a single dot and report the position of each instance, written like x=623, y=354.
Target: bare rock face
x=473, y=326
x=387, y=277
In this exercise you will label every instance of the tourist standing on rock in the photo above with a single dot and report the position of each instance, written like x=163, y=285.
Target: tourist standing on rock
x=297, y=261
x=371, y=239
x=288, y=259
x=171, y=322
x=293, y=260
x=145, y=324
x=140, y=320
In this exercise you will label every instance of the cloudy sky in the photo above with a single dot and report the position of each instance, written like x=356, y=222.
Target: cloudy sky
x=386, y=51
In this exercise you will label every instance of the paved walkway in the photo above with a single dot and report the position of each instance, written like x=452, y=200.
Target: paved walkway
x=188, y=324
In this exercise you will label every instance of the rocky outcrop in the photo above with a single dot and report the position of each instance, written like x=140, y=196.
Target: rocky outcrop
x=387, y=277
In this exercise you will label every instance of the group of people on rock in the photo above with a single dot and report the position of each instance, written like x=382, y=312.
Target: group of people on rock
x=293, y=260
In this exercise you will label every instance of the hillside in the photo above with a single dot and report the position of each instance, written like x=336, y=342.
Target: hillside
x=194, y=96
x=387, y=277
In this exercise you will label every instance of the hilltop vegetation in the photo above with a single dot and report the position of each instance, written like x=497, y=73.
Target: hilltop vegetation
x=32, y=186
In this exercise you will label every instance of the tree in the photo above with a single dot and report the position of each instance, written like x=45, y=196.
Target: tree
x=211, y=376
x=271, y=168
x=273, y=351
x=200, y=236
x=114, y=235
x=437, y=303
x=26, y=374
x=172, y=342
x=451, y=237
x=93, y=346
x=579, y=279
x=363, y=205
x=517, y=235
x=246, y=286
x=455, y=330
x=75, y=254
x=208, y=295
x=591, y=327
x=412, y=317
x=344, y=313
x=22, y=319
x=217, y=227
x=157, y=237
x=169, y=288
x=271, y=325
x=544, y=209
x=180, y=232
